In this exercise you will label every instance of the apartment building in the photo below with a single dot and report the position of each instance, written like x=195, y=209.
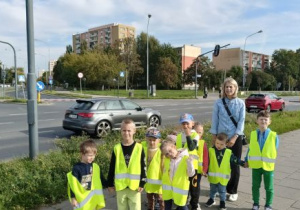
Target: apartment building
x=187, y=54
x=238, y=57
x=102, y=35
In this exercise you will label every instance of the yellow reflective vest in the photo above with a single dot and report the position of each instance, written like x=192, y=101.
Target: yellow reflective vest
x=219, y=174
x=262, y=159
x=128, y=176
x=87, y=199
x=178, y=188
x=200, y=154
x=154, y=175
x=193, y=153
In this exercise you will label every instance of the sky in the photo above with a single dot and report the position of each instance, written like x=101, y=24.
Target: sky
x=202, y=23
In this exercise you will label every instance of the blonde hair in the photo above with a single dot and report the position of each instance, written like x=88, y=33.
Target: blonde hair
x=128, y=121
x=198, y=124
x=234, y=83
x=166, y=143
x=88, y=146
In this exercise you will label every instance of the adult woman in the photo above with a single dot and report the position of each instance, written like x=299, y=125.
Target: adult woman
x=221, y=123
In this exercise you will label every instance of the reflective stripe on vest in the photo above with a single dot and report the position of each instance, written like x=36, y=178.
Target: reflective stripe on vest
x=154, y=174
x=266, y=157
x=178, y=188
x=225, y=176
x=90, y=195
x=219, y=174
x=200, y=154
x=128, y=176
x=87, y=199
x=193, y=153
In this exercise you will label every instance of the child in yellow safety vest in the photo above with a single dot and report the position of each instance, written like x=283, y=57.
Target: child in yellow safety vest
x=261, y=157
x=177, y=168
x=153, y=186
x=203, y=155
x=189, y=139
x=127, y=171
x=85, y=181
x=219, y=170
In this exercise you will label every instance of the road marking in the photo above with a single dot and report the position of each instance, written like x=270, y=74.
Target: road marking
x=46, y=120
x=6, y=123
x=18, y=114
x=50, y=112
x=49, y=131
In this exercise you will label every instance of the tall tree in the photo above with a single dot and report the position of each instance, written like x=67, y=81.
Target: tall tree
x=167, y=73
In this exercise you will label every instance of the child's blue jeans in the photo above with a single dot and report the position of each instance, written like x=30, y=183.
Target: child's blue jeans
x=221, y=189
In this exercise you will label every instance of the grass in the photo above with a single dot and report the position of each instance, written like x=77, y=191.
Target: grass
x=141, y=94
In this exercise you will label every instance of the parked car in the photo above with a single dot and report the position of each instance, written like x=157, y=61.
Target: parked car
x=99, y=116
x=264, y=101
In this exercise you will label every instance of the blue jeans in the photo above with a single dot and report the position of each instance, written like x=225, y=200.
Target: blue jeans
x=221, y=189
x=168, y=206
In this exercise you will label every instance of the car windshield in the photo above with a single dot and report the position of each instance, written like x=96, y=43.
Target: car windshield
x=83, y=105
x=257, y=96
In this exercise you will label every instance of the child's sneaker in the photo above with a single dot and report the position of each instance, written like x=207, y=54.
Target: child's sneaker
x=255, y=207
x=268, y=208
x=210, y=203
x=222, y=205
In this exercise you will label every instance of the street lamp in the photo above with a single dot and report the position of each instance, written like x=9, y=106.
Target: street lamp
x=244, y=67
x=16, y=73
x=149, y=16
x=46, y=64
x=48, y=54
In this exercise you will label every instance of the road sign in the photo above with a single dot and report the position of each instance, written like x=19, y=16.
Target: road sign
x=50, y=81
x=40, y=86
x=122, y=74
x=80, y=75
x=50, y=77
x=21, y=78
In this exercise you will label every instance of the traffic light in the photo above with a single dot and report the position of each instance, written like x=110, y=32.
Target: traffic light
x=216, y=50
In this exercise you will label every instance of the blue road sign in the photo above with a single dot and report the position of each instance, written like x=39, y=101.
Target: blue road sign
x=40, y=86
x=50, y=81
x=122, y=74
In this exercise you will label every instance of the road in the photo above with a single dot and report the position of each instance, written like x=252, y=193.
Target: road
x=14, y=139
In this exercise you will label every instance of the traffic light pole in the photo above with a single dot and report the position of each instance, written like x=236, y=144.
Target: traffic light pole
x=216, y=53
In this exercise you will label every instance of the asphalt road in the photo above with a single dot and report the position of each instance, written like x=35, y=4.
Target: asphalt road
x=14, y=140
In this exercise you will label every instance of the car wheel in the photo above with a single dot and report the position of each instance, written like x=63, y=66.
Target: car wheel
x=282, y=107
x=248, y=109
x=154, y=121
x=269, y=108
x=102, y=129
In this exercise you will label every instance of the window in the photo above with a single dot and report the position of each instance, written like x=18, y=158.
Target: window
x=101, y=106
x=113, y=105
x=83, y=105
x=130, y=105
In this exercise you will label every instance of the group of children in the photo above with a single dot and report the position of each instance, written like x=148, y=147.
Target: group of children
x=171, y=170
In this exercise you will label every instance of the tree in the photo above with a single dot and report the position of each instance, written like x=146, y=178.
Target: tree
x=69, y=49
x=262, y=81
x=167, y=73
x=285, y=63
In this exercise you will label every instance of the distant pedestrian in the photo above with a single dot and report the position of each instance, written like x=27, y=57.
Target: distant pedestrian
x=85, y=181
x=261, y=157
x=219, y=169
x=127, y=171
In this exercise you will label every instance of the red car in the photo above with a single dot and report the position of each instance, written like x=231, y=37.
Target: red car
x=264, y=101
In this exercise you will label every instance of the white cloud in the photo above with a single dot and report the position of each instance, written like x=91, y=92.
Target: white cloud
x=199, y=22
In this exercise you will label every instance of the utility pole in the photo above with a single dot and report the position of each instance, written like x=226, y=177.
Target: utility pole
x=31, y=85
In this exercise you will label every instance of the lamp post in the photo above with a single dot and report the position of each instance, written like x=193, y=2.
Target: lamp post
x=244, y=67
x=46, y=64
x=48, y=55
x=149, y=16
x=15, y=64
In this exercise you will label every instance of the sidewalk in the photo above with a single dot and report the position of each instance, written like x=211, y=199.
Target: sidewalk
x=286, y=182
